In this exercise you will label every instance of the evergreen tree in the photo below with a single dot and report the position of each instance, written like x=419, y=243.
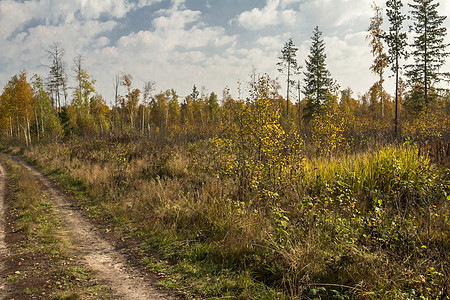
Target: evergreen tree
x=429, y=50
x=213, y=106
x=174, y=110
x=288, y=64
x=195, y=93
x=317, y=77
x=396, y=41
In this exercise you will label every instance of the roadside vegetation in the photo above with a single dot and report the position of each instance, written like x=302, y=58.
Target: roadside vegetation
x=255, y=196
x=256, y=213
x=372, y=224
x=40, y=262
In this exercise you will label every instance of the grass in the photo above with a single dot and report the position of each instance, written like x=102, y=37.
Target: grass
x=363, y=226
x=47, y=265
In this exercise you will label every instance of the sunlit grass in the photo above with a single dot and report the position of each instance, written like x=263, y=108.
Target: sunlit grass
x=363, y=224
x=46, y=242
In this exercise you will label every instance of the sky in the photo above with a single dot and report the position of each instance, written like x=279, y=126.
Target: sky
x=178, y=43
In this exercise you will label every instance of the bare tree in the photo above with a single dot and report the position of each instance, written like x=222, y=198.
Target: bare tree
x=57, y=78
x=149, y=87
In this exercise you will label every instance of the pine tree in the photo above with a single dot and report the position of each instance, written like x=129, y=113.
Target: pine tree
x=213, y=107
x=317, y=77
x=288, y=64
x=195, y=93
x=429, y=49
x=396, y=41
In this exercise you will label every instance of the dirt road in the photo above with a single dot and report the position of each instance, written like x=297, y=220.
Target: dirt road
x=109, y=263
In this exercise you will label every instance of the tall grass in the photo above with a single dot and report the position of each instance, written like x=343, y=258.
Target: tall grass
x=393, y=173
x=365, y=225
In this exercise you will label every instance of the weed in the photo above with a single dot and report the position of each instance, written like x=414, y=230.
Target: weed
x=364, y=225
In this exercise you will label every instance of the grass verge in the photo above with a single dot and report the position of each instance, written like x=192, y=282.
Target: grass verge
x=372, y=225
x=41, y=264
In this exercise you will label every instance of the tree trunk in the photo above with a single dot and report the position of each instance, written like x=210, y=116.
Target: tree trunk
x=29, y=130
x=42, y=121
x=425, y=63
x=143, y=119
x=396, y=98
x=287, y=89
x=299, y=106
x=10, y=127
x=37, y=123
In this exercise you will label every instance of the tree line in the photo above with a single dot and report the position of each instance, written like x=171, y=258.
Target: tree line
x=427, y=51
x=43, y=107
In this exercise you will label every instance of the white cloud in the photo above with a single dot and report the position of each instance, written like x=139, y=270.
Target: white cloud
x=348, y=60
x=176, y=19
x=272, y=43
x=15, y=15
x=174, y=53
x=334, y=13
x=178, y=48
x=93, y=9
x=270, y=15
x=181, y=30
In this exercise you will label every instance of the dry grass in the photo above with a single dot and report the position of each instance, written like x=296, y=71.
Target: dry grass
x=47, y=263
x=367, y=225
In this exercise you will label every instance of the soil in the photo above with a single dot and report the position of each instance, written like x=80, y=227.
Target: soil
x=113, y=259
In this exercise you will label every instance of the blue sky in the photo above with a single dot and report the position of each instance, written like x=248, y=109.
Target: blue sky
x=179, y=43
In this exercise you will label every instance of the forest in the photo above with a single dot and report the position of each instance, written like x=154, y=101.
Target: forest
x=259, y=196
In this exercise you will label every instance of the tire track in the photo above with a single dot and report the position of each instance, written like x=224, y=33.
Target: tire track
x=3, y=249
x=109, y=263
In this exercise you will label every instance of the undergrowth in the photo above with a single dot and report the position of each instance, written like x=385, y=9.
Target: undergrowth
x=365, y=226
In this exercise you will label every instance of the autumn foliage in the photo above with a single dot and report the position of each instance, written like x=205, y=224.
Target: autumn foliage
x=255, y=197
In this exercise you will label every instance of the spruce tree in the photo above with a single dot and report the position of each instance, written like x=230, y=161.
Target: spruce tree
x=288, y=64
x=429, y=49
x=396, y=41
x=317, y=77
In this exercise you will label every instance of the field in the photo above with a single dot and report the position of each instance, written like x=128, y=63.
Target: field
x=366, y=225
x=241, y=200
